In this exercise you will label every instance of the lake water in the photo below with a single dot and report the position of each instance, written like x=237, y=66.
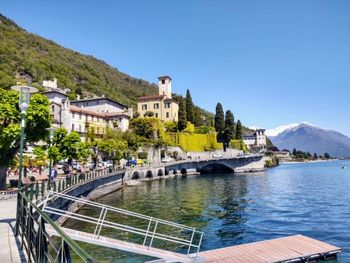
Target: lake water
x=312, y=199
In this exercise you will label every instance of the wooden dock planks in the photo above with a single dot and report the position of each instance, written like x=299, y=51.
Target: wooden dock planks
x=286, y=249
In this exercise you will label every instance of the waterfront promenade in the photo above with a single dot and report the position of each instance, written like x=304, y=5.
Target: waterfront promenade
x=9, y=251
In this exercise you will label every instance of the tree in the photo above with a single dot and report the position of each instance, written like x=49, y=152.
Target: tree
x=37, y=120
x=149, y=114
x=219, y=119
x=190, y=110
x=315, y=156
x=112, y=149
x=327, y=156
x=239, y=135
x=182, y=121
x=229, y=131
x=294, y=151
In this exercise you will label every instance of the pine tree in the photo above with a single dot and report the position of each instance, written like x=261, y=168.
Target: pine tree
x=189, y=107
x=239, y=130
x=219, y=119
x=182, y=122
x=229, y=132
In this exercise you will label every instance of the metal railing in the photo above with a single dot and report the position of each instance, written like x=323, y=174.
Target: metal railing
x=37, y=191
x=31, y=220
x=36, y=242
x=190, y=238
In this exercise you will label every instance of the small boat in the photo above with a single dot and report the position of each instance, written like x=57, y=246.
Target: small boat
x=343, y=167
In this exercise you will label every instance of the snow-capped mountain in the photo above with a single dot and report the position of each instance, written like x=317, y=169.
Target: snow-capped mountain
x=307, y=137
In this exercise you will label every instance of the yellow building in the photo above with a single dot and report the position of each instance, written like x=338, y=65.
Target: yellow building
x=162, y=105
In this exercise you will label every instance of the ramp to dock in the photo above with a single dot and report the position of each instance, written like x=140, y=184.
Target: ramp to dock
x=297, y=248
x=167, y=256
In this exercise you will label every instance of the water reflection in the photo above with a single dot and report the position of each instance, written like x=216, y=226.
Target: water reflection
x=309, y=199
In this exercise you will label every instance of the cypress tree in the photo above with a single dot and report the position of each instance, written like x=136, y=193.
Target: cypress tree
x=182, y=122
x=219, y=119
x=229, y=132
x=294, y=151
x=239, y=130
x=189, y=107
x=315, y=156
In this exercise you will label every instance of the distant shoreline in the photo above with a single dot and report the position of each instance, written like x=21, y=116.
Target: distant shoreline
x=310, y=161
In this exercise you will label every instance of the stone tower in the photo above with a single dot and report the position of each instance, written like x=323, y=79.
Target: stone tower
x=165, y=86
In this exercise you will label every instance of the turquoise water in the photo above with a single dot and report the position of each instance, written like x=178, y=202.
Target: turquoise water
x=312, y=199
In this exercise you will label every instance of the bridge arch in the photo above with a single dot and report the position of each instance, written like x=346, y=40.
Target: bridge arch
x=160, y=172
x=183, y=171
x=216, y=167
x=149, y=174
x=135, y=175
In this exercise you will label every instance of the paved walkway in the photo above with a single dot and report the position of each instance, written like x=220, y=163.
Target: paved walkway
x=9, y=251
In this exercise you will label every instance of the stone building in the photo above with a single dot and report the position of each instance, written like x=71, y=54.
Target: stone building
x=255, y=139
x=162, y=105
x=92, y=115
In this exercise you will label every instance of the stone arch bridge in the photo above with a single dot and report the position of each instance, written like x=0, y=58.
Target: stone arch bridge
x=251, y=163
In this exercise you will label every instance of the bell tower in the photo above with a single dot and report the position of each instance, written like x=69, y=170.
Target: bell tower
x=164, y=86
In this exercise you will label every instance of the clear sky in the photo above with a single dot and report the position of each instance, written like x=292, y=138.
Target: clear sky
x=270, y=62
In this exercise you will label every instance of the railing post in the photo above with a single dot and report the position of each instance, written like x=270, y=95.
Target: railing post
x=154, y=232
x=149, y=225
x=189, y=247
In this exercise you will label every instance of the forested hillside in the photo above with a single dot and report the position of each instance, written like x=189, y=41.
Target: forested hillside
x=30, y=57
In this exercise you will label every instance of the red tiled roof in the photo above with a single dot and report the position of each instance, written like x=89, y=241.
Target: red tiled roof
x=95, y=113
x=82, y=110
x=152, y=97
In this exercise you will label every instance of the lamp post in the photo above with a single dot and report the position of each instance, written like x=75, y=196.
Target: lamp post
x=51, y=130
x=24, y=97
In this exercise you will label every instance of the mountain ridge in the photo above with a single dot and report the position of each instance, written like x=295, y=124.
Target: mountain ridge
x=310, y=138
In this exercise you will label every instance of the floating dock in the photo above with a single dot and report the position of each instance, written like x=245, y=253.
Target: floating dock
x=297, y=248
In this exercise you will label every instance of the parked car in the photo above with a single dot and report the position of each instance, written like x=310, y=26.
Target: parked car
x=76, y=166
x=108, y=164
x=59, y=165
x=91, y=165
x=167, y=159
x=131, y=162
x=217, y=155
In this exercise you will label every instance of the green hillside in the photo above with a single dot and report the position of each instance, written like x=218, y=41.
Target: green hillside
x=31, y=57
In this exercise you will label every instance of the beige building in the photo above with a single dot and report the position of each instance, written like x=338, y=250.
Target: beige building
x=162, y=105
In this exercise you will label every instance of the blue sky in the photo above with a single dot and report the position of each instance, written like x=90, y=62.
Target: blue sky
x=270, y=62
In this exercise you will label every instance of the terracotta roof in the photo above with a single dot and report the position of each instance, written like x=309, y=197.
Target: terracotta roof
x=82, y=110
x=152, y=97
x=98, y=114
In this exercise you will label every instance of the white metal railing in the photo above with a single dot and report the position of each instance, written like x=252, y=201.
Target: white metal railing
x=151, y=232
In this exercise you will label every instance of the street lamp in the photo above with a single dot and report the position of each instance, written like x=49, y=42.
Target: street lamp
x=24, y=97
x=51, y=130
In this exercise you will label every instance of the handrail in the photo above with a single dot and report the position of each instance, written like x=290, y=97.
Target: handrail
x=39, y=251
x=149, y=232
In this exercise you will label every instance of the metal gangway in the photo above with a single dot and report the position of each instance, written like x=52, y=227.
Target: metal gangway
x=155, y=236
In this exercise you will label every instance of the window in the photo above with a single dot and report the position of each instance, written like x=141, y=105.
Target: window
x=144, y=107
x=79, y=128
x=98, y=130
x=73, y=115
x=167, y=114
x=156, y=106
x=52, y=108
x=163, y=81
x=93, y=118
x=72, y=126
x=156, y=115
x=79, y=116
x=167, y=105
